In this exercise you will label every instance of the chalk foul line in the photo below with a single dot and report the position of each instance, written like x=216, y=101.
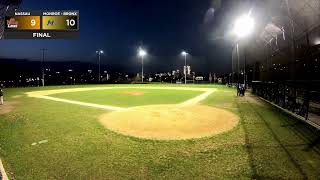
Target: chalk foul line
x=190, y=102
x=3, y=174
x=196, y=99
x=106, y=107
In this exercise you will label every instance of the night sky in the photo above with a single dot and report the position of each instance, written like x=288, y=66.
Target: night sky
x=119, y=27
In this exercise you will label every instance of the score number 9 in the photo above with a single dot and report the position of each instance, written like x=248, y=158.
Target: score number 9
x=70, y=22
x=33, y=22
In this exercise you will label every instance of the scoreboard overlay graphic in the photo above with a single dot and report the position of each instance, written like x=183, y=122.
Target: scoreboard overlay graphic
x=62, y=24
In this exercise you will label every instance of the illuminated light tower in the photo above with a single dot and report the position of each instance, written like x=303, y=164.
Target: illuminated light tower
x=185, y=54
x=42, y=66
x=142, y=53
x=243, y=27
x=99, y=52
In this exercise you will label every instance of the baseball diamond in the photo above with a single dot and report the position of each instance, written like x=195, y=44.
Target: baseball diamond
x=147, y=132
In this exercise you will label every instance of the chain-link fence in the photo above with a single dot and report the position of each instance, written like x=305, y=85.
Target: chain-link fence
x=300, y=98
x=286, y=47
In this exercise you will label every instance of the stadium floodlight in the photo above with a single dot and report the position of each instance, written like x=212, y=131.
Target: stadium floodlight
x=243, y=26
x=142, y=53
x=99, y=52
x=185, y=54
x=42, y=65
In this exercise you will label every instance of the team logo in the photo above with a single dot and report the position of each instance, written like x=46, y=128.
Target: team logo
x=50, y=22
x=12, y=23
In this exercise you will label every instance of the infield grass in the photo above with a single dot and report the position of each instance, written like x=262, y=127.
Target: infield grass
x=130, y=97
x=266, y=144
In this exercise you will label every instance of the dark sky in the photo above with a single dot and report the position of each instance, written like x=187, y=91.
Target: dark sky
x=163, y=27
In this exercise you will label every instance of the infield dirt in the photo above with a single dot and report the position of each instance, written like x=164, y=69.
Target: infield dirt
x=169, y=122
x=7, y=107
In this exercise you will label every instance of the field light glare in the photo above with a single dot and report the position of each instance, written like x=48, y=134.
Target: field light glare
x=100, y=52
x=142, y=53
x=317, y=41
x=243, y=26
x=184, y=53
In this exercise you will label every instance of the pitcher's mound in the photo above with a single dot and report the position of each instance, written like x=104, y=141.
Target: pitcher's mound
x=167, y=122
x=133, y=93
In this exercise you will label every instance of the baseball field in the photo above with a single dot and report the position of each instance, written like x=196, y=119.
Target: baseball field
x=156, y=131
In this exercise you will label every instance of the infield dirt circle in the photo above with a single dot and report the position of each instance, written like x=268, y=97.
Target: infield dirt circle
x=169, y=122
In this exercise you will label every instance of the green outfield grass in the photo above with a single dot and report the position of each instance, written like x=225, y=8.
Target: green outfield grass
x=123, y=98
x=266, y=143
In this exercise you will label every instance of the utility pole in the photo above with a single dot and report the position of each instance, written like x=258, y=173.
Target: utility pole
x=142, y=53
x=42, y=65
x=185, y=69
x=99, y=67
x=185, y=54
x=142, y=76
x=232, y=68
x=238, y=66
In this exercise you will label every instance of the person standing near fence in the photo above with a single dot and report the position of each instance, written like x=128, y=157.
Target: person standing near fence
x=1, y=95
x=238, y=89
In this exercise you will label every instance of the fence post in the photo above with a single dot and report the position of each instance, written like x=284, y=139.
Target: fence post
x=308, y=104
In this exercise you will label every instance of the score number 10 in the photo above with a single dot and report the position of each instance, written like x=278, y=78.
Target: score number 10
x=71, y=22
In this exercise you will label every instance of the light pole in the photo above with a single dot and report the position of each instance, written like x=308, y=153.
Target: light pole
x=142, y=53
x=185, y=54
x=42, y=66
x=99, y=52
x=243, y=26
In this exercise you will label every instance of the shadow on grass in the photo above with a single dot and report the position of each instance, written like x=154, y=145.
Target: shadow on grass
x=313, y=144
x=248, y=146
x=305, y=132
x=252, y=146
x=300, y=128
x=290, y=156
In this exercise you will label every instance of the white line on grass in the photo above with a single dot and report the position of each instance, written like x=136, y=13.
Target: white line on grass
x=3, y=172
x=190, y=102
x=196, y=99
x=114, y=108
